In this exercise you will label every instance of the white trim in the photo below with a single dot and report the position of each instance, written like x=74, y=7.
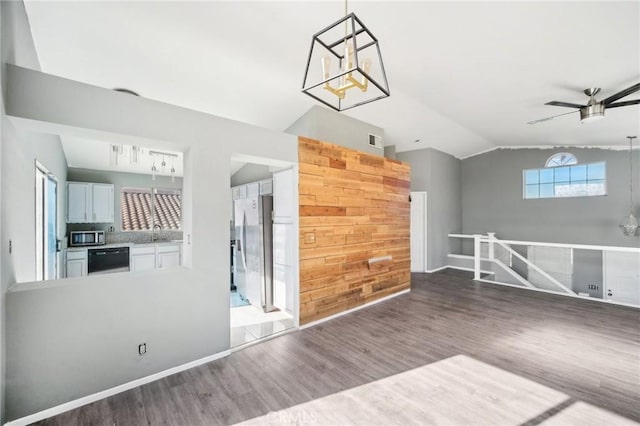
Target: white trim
x=264, y=339
x=485, y=239
x=462, y=268
x=431, y=271
x=357, y=308
x=573, y=296
x=515, y=147
x=468, y=257
x=76, y=403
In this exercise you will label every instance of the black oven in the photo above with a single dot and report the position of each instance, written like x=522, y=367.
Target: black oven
x=108, y=260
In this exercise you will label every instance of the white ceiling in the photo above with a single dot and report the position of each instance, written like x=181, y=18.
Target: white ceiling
x=97, y=155
x=464, y=76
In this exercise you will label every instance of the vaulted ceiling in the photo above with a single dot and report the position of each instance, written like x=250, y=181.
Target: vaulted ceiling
x=464, y=76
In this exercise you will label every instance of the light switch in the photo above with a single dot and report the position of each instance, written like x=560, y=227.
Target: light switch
x=309, y=238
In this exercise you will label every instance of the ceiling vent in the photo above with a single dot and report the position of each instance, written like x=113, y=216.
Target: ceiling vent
x=375, y=141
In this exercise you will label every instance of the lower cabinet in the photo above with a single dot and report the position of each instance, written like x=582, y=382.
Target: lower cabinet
x=76, y=264
x=142, y=262
x=152, y=257
x=168, y=260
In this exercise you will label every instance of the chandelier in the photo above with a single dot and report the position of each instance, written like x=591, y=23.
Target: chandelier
x=344, y=68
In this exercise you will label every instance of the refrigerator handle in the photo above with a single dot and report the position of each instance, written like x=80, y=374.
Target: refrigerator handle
x=243, y=240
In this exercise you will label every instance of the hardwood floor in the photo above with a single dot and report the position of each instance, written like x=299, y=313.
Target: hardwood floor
x=589, y=351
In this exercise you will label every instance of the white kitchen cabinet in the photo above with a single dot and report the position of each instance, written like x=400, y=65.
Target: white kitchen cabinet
x=143, y=258
x=78, y=202
x=103, y=206
x=168, y=256
x=90, y=202
x=168, y=260
x=146, y=257
x=76, y=264
x=283, y=196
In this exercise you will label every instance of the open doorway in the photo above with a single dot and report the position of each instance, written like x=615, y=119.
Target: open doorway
x=46, y=224
x=262, y=277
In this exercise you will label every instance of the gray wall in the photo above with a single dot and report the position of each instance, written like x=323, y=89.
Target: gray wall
x=330, y=126
x=89, y=328
x=19, y=151
x=390, y=151
x=587, y=269
x=251, y=173
x=492, y=199
x=119, y=180
x=439, y=175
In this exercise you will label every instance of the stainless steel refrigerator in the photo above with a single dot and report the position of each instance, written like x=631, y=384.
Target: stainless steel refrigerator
x=253, y=264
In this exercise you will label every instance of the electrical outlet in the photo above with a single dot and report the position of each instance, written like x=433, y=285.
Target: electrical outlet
x=10, y=246
x=142, y=348
x=592, y=287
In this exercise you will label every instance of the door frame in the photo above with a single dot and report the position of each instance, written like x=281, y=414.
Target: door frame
x=40, y=231
x=416, y=196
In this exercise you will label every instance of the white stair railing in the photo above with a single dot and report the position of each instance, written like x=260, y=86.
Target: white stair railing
x=550, y=267
x=493, y=240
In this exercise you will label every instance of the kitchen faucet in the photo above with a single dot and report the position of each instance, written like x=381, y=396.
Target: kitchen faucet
x=154, y=237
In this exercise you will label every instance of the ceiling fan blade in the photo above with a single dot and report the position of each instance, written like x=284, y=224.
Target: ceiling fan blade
x=624, y=103
x=621, y=94
x=550, y=118
x=564, y=104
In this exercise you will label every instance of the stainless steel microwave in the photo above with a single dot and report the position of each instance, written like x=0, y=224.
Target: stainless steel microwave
x=86, y=238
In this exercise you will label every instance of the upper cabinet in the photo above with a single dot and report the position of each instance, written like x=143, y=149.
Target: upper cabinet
x=90, y=202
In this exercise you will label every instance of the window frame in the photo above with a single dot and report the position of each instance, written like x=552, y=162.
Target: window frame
x=152, y=190
x=553, y=182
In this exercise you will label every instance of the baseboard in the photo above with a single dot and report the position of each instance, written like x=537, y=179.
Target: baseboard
x=431, y=271
x=264, y=339
x=76, y=403
x=357, y=308
x=541, y=290
x=461, y=268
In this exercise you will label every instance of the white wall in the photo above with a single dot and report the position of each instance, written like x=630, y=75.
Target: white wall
x=182, y=314
x=19, y=151
x=324, y=124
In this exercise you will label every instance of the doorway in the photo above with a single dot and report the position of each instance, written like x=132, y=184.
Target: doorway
x=263, y=268
x=46, y=224
x=418, y=232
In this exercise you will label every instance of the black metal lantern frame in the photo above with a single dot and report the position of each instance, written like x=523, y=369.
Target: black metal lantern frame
x=341, y=87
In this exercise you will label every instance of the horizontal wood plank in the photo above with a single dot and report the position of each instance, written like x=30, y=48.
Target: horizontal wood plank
x=353, y=207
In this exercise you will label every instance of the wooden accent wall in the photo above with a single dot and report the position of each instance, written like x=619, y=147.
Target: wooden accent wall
x=353, y=207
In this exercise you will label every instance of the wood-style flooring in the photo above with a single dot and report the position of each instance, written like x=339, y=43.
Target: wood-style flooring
x=588, y=351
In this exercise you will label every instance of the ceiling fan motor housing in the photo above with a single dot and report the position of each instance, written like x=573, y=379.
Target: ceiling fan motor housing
x=592, y=112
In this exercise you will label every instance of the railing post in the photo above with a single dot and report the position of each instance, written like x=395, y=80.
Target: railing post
x=492, y=236
x=476, y=256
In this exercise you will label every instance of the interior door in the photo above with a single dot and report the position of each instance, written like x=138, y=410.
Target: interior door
x=418, y=232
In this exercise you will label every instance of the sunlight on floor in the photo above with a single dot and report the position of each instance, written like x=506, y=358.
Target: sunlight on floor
x=249, y=323
x=455, y=391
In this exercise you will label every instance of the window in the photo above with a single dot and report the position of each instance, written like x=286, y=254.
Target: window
x=561, y=159
x=46, y=232
x=563, y=177
x=144, y=208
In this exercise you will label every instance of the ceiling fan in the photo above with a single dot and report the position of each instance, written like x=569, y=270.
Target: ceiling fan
x=594, y=110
